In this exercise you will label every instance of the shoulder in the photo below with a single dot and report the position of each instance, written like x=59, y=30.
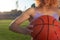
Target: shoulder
x=29, y=11
x=58, y=12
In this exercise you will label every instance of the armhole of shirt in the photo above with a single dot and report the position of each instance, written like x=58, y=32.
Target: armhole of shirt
x=56, y=16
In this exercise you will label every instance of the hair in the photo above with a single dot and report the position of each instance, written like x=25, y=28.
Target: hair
x=47, y=3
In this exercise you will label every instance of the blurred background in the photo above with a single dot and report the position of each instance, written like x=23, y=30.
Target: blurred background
x=9, y=10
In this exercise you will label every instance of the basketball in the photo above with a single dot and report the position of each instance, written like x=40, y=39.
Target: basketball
x=45, y=28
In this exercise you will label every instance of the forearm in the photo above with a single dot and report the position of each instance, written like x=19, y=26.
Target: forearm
x=20, y=30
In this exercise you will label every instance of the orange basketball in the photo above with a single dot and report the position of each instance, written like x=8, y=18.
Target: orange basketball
x=45, y=28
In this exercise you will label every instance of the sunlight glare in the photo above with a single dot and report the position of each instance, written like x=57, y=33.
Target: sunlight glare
x=7, y=5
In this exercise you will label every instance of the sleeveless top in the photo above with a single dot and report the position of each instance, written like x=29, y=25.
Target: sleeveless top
x=55, y=15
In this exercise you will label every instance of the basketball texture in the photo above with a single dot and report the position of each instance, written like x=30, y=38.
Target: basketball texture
x=45, y=28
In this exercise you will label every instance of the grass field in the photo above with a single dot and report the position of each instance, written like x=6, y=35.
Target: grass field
x=6, y=34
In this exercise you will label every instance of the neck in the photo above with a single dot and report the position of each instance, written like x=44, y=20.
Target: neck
x=45, y=9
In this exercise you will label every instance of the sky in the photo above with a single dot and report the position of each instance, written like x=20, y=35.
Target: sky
x=8, y=5
x=25, y=4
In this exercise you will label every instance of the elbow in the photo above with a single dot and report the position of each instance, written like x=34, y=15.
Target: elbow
x=11, y=27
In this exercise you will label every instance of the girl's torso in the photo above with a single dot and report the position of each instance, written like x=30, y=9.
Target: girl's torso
x=37, y=14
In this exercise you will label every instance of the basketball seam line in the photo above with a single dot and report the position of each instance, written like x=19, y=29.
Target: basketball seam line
x=45, y=24
x=48, y=28
x=40, y=30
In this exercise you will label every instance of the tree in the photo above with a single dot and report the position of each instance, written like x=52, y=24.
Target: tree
x=33, y=5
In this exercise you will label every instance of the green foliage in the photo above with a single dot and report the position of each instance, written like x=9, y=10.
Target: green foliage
x=33, y=5
x=6, y=34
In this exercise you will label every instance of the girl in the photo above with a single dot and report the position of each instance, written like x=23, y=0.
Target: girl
x=43, y=7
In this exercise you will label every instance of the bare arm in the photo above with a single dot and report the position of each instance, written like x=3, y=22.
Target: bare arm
x=14, y=26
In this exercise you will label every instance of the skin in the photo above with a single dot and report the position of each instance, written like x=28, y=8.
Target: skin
x=28, y=15
x=14, y=26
